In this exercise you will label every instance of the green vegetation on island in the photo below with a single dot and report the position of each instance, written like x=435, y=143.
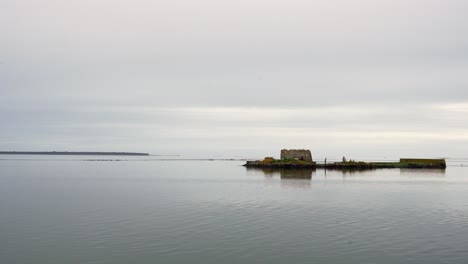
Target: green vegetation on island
x=270, y=162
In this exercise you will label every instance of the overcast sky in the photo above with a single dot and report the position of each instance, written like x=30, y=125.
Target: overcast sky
x=231, y=78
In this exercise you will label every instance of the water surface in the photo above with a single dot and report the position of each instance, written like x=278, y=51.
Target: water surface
x=64, y=210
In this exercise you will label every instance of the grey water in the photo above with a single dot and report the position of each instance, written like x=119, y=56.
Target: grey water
x=56, y=210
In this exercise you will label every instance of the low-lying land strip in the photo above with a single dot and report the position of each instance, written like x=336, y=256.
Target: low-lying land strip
x=73, y=153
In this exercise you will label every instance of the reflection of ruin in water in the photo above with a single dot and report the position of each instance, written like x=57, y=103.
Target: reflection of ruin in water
x=285, y=173
x=305, y=174
x=290, y=178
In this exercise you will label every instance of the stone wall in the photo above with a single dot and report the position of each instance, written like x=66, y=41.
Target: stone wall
x=425, y=162
x=300, y=154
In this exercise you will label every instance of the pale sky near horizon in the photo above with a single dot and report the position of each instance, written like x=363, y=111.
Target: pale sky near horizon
x=219, y=78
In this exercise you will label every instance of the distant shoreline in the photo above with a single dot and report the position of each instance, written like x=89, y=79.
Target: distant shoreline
x=73, y=153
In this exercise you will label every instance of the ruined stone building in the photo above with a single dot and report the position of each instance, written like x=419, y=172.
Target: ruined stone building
x=300, y=154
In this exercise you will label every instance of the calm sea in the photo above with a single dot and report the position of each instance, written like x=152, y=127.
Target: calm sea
x=86, y=210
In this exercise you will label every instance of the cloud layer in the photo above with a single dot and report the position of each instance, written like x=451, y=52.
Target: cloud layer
x=204, y=77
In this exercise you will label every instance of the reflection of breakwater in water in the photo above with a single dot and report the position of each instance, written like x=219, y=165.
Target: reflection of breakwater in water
x=423, y=173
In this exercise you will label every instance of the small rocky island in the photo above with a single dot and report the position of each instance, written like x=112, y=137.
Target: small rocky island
x=302, y=158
